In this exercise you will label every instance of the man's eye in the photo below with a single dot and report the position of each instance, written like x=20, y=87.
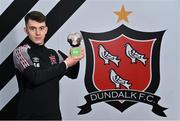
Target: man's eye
x=32, y=28
x=42, y=28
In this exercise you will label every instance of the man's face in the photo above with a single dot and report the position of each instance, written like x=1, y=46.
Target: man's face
x=36, y=31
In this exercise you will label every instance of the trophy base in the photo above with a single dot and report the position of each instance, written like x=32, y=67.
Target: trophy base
x=75, y=51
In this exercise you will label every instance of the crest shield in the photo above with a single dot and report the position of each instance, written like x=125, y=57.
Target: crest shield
x=122, y=66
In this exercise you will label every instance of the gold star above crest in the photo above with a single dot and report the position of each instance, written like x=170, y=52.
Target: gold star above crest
x=122, y=14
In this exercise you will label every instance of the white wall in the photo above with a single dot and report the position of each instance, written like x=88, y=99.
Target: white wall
x=97, y=16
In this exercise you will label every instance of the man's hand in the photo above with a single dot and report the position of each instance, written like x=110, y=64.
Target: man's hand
x=70, y=61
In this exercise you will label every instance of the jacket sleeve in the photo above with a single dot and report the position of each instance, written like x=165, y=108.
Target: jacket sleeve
x=73, y=71
x=33, y=75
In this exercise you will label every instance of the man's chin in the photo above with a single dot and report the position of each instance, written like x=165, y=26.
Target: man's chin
x=39, y=42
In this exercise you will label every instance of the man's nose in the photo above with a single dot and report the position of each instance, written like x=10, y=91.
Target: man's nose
x=37, y=31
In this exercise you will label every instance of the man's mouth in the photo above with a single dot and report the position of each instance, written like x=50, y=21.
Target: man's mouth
x=38, y=38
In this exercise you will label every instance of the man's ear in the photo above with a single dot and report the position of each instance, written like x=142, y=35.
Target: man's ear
x=46, y=29
x=25, y=30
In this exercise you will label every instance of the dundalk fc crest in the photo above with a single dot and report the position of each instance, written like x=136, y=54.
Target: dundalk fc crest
x=122, y=68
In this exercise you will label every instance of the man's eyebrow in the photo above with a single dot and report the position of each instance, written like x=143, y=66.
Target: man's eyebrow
x=36, y=27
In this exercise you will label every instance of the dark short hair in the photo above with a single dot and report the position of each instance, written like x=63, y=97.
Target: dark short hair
x=35, y=15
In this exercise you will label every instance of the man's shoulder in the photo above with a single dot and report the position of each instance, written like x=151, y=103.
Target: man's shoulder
x=51, y=50
x=22, y=48
x=25, y=46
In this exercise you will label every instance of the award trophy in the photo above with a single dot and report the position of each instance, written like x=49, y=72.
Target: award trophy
x=74, y=40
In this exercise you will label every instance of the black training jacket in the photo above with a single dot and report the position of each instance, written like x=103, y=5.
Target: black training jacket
x=38, y=71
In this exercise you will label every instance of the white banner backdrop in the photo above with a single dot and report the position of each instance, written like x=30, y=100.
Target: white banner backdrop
x=98, y=16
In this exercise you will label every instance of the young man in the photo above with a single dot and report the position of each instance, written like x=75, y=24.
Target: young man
x=38, y=71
